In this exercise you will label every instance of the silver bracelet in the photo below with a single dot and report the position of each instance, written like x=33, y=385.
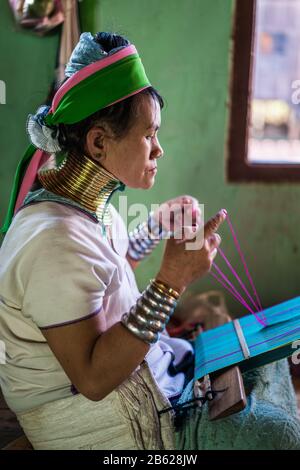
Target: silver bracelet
x=164, y=308
x=145, y=335
x=144, y=238
x=159, y=297
x=149, y=317
x=150, y=323
x=157, y=314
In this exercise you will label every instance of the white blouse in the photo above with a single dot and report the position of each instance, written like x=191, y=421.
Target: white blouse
x=56, y=267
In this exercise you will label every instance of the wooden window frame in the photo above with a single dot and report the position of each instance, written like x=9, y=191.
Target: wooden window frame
x=237, y=166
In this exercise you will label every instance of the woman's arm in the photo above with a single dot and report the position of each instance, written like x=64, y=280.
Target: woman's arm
x=96, y=363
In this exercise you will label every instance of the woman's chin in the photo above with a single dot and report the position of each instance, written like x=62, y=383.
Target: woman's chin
x=145, y=183
x=149, y=183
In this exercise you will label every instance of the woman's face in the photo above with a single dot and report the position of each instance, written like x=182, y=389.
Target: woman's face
x=133, y=158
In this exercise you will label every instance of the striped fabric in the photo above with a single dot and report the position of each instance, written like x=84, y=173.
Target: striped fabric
x=280, y=337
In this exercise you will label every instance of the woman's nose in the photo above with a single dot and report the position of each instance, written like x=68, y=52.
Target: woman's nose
x=158, y=150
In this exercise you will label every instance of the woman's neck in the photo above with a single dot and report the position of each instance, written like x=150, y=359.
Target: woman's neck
x=82, y=180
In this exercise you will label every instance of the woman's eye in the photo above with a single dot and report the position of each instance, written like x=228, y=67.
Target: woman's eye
x=149, y=136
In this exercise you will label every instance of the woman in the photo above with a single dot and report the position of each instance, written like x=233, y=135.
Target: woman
x=89, y=363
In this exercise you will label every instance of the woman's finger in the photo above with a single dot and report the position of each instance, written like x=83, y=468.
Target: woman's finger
x=188, y=233
x=214, y=223
x=213, y=254
x=214, y=241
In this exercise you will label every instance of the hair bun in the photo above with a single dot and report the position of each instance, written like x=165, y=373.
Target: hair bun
x=110, y=41
x=91, y=48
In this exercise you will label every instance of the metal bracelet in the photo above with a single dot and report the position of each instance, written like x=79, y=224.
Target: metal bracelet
x=150, y=315
x=144, y=238
x=165, y=289
x=155, y=229
x=151, y=318
x=145, y=335
x=157, y=295
x=150, y=323
x=141, y=303
x=163, y=307
x=155, y=311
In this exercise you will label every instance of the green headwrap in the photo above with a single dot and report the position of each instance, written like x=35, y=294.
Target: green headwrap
x=94, y=87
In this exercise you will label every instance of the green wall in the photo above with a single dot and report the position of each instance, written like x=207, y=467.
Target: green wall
x=26, y=66
x=185, y=50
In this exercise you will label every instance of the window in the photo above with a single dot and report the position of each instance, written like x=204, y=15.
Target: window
x=264, y=123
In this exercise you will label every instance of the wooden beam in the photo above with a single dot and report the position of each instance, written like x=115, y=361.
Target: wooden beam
x=233, y=399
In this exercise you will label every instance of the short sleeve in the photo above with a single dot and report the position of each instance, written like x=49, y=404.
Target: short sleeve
x=65, y=274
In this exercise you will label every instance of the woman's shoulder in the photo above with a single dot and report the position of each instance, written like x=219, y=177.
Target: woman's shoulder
x=39, y=224
x=53, y=215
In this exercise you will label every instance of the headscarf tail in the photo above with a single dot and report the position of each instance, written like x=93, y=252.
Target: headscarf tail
x=18, y=178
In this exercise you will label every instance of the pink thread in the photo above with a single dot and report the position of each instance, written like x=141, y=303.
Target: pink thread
x=243, y=261
x=233, y=288
x=238, y=298
x=237, y=277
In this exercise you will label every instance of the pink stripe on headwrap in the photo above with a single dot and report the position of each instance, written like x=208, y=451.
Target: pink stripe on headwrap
x=37, y=160
x=130, y=94
x=89, y=70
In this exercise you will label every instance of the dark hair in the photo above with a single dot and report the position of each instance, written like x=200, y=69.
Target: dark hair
x=119, y=117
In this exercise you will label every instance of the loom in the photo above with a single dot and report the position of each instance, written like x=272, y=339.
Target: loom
x=261, y=337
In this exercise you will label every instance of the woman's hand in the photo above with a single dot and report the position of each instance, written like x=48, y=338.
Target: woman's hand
x=180, y=266
x=181, y=216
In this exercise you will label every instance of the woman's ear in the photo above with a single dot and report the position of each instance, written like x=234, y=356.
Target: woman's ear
x=96, y=143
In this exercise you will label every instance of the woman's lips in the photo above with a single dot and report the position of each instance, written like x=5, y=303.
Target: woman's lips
x=153, y=170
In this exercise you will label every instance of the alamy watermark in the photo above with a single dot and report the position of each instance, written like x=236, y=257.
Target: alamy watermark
x=2, y=353
x=176, y=220
x=2, y=92
x=296, y=354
